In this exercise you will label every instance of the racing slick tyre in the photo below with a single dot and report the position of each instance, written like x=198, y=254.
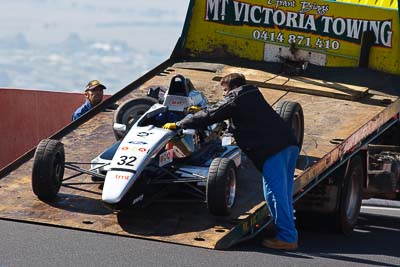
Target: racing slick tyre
x=130, y=111
x=350, y=197
x=221, y=186
x=292, y=113
x=48, y=169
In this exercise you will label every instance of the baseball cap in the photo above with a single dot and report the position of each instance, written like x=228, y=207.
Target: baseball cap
x=93, y=84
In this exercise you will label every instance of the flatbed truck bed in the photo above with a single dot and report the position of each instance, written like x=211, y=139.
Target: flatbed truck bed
x=335, y=128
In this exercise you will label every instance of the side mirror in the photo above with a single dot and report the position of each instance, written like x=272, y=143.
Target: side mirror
x=119, y=127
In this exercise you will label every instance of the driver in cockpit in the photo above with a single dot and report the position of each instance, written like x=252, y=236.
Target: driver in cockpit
x=181, y=99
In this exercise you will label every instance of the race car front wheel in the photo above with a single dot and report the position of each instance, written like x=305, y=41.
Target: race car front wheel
x=130, y=111
x=48, y=169
x=221, y=186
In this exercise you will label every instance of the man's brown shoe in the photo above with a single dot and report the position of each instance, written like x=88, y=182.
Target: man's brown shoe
x=278, y=244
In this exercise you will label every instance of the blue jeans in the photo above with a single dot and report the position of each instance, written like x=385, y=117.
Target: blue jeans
x=278, y=176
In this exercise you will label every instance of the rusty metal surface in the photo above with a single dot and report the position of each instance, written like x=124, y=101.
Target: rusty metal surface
x=81, y=208
x=190, y=223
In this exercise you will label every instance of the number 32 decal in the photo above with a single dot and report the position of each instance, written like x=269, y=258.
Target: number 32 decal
x=125, y=160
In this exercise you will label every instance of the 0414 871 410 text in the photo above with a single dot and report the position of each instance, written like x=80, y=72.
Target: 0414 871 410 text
x=298, y=39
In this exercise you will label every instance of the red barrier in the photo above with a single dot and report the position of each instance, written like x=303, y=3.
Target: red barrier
x=27, y=116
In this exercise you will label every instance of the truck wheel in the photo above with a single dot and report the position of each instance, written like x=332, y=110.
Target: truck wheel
x=130, y=111
x=48, y=169
x=221, y=186
x=292, y=113
x=350, y=197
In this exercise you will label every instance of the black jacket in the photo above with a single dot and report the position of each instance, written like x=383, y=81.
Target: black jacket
x=258, y=130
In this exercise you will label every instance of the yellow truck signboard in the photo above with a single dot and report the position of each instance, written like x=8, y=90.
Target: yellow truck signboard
x=320, y=32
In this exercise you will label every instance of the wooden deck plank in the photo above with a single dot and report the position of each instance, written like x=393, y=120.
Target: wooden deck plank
x=299, y=84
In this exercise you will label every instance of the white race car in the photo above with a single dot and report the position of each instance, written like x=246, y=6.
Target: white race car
x=148, y=160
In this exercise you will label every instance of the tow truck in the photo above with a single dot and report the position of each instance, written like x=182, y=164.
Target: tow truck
x=339, y=59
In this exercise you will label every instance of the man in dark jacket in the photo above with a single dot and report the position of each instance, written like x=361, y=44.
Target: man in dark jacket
x=266, y=139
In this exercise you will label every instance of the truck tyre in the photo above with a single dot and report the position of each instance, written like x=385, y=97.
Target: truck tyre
x=350, y=197
x=221, y=186
x=130, y=111
x=292, y=114
x=48, y=169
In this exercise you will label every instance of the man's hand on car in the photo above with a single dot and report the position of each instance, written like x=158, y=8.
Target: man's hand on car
x=193, y=109
x=170, y=126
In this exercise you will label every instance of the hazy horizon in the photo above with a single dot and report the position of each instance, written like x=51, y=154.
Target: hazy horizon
x=59, y=45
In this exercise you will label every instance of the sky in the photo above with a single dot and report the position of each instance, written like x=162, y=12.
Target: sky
x=59, y=45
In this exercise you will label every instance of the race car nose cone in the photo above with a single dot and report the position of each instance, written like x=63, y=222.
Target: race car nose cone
x=116, y=186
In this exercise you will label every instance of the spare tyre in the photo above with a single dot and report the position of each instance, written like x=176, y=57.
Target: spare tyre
x=292, y=114
x=130, y=111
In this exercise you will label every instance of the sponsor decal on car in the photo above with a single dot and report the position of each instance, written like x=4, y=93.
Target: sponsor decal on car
x=122, y=177
x=178, y=153
x=139, y=149
x=137, y=142
x=176, y=102
x=136, y=200
x=144, y=134
x=166, y=157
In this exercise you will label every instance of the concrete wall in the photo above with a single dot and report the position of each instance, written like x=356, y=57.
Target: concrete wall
x=27, y=116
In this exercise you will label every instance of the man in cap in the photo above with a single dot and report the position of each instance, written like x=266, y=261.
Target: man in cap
x=266, y=139
x=93, y=94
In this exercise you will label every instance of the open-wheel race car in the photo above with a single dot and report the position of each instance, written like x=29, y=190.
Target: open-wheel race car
x=148, y=161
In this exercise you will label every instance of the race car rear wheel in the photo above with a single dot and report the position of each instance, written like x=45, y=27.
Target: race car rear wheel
x=48, y=169
x=130, y=111
x=221, y=186
x=292, y=114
